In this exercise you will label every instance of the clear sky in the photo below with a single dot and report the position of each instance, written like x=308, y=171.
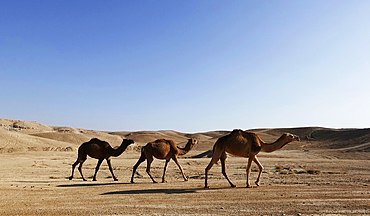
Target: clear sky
x=188, y=66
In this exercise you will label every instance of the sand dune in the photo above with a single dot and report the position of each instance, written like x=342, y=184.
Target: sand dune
x=11, y=141
x=16, y=135
x=326, y=173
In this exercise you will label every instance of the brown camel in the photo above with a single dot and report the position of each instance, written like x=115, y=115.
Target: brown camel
x=244, y=144
x=162, y=149
x=100, y=150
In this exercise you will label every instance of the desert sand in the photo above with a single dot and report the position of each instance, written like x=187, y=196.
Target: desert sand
x=326, y=173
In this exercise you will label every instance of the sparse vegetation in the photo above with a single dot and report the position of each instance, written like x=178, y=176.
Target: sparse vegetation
x=313, y=171
x=288, y=170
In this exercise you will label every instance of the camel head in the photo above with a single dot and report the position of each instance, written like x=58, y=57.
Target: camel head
x=192, y=141
x=291, y=137
x=189, y=145
x=127, y=142
x=285, y=139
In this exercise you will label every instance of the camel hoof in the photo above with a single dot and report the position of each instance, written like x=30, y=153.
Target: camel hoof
x=233, y=185
x=84, y=179
x=248, y=186
x=206, y=186
x=186, y=179
x=70, y=178
x=164, y=181
x=115, y=179
x=257, y=184
x=94, y=179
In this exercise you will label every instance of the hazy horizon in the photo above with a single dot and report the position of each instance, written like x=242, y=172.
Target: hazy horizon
x=187, y=66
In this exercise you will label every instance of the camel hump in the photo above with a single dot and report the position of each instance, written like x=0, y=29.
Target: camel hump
x=253, y=137
x=165, y=141
x=236, y=131
x=160, y=143
x=95, y=140
x=161, y=140
x=92, y=141
x=100, y=143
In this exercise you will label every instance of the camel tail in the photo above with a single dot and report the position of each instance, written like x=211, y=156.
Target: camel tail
x=81, y=149
x=142, y=149
x=213, y=151
x=142, y=155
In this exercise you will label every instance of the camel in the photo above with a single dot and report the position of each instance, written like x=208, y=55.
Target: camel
x=244, y=144
x=100, y=150
x=162, y=149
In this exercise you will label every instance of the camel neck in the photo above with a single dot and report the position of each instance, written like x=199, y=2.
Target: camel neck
x=270, y=147
x=186, y=149
x=118, y=152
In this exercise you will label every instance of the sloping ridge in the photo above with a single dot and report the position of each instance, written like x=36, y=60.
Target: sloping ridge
x=16, y=135
x=319, y=138
x=143, y=137
x=339, y=134
x=11, y=141
x=25, y=125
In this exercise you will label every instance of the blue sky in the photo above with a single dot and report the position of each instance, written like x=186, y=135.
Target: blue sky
x=188, y=66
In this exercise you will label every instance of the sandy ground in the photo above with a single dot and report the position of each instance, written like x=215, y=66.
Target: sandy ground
x=293, y=183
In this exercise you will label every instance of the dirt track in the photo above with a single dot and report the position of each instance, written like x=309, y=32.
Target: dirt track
x=294, y=182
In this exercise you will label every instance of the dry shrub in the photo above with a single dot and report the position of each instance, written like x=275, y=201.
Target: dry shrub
x=287, y=170
x=313, y=171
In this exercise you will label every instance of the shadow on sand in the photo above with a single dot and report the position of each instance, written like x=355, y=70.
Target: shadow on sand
x=162, y=191
x=153, y=191
x=91, y=184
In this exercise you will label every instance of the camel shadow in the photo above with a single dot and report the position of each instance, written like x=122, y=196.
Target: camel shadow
x=161, y=191
x=152, y=191
x=91, y=184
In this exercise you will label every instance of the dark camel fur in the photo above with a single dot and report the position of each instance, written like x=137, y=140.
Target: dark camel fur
x=100, y=150
x=162, y=149
x=244, y=144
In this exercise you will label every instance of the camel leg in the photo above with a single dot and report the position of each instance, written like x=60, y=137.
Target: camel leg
x=149, y=162
x=223, y=163
x=73, y=168
x=141, y=159
x=260, y=167
x=97, y=168
x=80, y=169
x=182, y=172
x=110, y=169
x=164, y=171
x=216, y=156
x=251, y=158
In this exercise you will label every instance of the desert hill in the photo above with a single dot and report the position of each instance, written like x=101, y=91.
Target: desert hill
x=327, y=172
x=16, y=135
